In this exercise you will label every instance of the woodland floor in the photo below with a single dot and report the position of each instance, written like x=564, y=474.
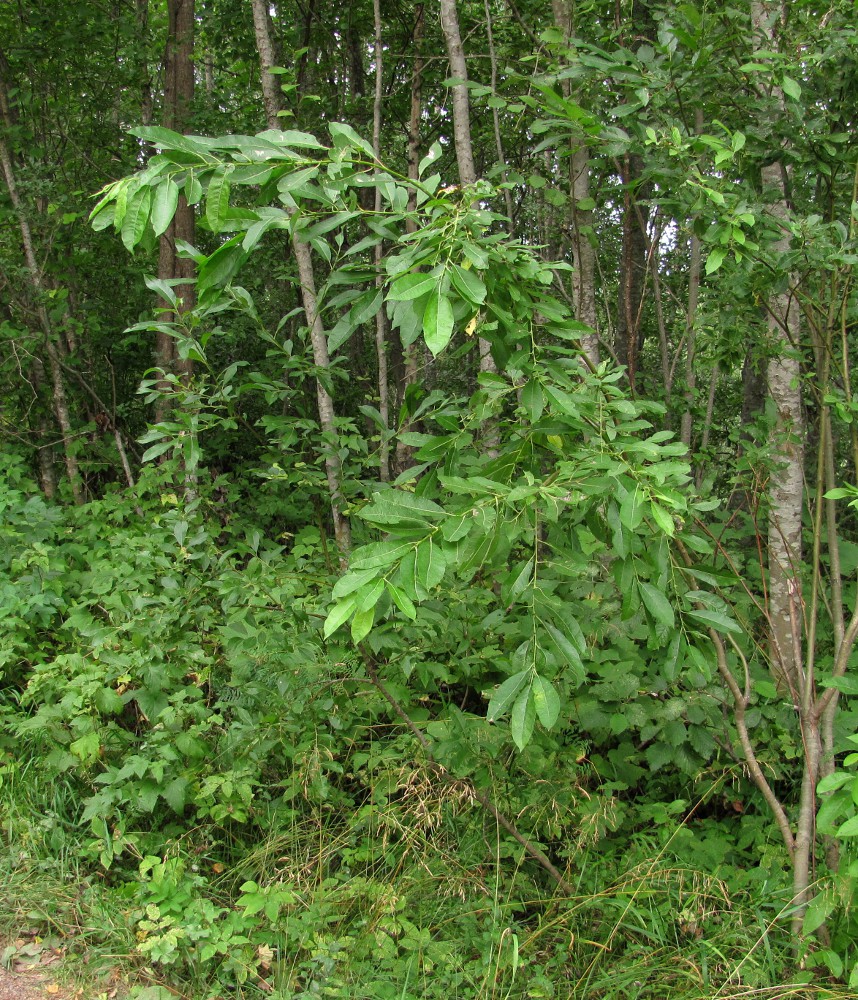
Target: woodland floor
x=31, y=968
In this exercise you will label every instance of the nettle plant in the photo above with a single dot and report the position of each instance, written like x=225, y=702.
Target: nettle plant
x=549, y=490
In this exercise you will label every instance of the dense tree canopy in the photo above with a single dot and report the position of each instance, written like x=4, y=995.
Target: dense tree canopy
x=428, y=488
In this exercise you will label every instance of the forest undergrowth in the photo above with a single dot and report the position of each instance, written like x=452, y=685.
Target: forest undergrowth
x=200, y=789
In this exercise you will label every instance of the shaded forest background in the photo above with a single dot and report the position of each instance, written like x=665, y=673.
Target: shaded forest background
x=428, y=477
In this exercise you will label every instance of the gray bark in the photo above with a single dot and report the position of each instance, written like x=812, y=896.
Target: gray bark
x=304, y=262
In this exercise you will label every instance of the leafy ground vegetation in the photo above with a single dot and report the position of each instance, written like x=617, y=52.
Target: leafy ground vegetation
x=464, y=605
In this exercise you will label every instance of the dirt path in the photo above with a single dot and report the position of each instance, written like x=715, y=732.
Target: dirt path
x=28, y=969
x=30, y=985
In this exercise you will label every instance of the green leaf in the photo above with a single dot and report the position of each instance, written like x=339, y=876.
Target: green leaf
x=380, y=554
x=533, y=399
x=516, y=582
x=218, y=269
x=819, y=909
x=339, y=615
x=546, y=701
x=411, y=286
x=662, y=518
x=164, y=205
x=368, y=596
x=402, y=601
x=176, y=794
x=568, y=653
x=468, y=284
x=505, y=694
x=715, y=259
x=849, y=828
x=631, y=513
x=217, y=199
x=431, y=564
x=656, y=604
x=717, y=620
x=791, y=87
x=352, y=581
x=362, y=624
x=437, y=322
x=522, y=719
x=136, y=216
x=297, y=179
x=345, y=136
x=401, y=507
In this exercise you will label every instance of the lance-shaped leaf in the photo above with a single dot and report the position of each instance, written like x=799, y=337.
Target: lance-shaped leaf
x=505, y=695
x=656, y=604
x=523, y=718
x=339, y=615
x=411, y=286
x=217, y=199
x=136, y=216
x=437, y=322
x=546, y=701
x=717, y=620
x=164, y=205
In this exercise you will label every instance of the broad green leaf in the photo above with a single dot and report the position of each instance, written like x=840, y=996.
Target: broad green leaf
x=546, y=701
x=791, y=87
x=367, y=597
x=217, y=199
x=298, y=178
x=431, y=564
x=165, y=138
x=715, y=259
x=819, y=909
x=345, y=136
x=103, y=217
x=400, y=506
x=291, y=137
x=380, y=554
x=656, y=604
x=176, y=794
x=717, y=620
x=516, y=582
x=569, y=655
x=533, y=399
x=352, y=581
x=412, y=286
x=164, y=205
x=631, y=512
x=402, y=601
x=522, y=719
x=136, y=216
x=505, y=694
x=662, y=518
x=849, y=828
x=362, y=624
x=339, y=615
x=221, y=267
x=468, y=284
x=437, y=322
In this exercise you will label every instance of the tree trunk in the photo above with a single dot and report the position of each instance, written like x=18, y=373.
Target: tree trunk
x=633, y=267
x=34, y=274
x=786, y=488
x=461, y=105
x=304, y=261
x=178, y=99
x=380, y=316
x=404, y=359
x=465, y=160
x=580, y=218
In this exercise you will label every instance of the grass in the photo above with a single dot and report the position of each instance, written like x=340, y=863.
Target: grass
x=417, y=900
